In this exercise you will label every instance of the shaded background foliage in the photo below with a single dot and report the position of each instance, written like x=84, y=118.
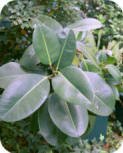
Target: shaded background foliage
x=110, y=15
x=20, y=138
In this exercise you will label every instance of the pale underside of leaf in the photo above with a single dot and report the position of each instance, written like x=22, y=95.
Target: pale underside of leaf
x=86, y=24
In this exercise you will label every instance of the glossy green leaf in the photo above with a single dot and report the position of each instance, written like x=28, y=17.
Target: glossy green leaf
x=78, y=87
x=86, y=24
x=49, y=22
x=9, y=72
x=46, y=44
x=71, y=85
x=70, y=119
x=103, y=102
x=23, y=97
x=47, y=129
x=114, y=71
x=67, y=50
x=29, y=59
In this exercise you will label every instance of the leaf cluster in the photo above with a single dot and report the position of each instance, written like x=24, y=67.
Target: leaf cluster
x=47, y=82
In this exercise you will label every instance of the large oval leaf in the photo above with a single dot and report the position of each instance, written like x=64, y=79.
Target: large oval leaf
x=46, y=44
x=114, y=71
x=72, y=84
x=67, y=50
x=23, y=97
x=86, y=88
x=86, y=24
x=47, y=129
x=29, y=59
x=70, y=119
x=104, y=99
x=9, y=72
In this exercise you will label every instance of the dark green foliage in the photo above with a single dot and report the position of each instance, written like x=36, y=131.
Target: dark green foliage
x=11, y=46
x=18, y=137
x=21, y=12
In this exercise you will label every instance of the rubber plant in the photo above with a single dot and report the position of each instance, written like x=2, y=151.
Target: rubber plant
x=47, y=82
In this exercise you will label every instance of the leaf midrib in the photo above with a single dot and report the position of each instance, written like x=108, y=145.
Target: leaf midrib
x=25, y=95
x=69, y=114
x=76, y=88
x=82, y=93
x=62, y=51
x=46, y=47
